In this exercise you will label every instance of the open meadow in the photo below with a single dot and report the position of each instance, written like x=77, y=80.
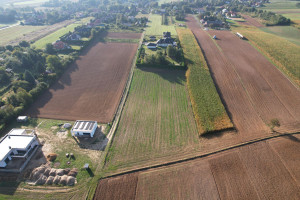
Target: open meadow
x=289, y=33
x=156, y=28
x=157, y=119
x=15, y=32
x=41, y=43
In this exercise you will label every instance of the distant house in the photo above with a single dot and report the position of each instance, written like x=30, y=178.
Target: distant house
x=60, y=45
x=151, y=45
x=152, y=38
x=167, y=34
x=165, y=42
x=74, y=37
x=216, y=23
x=84, y=128
x=17, y=144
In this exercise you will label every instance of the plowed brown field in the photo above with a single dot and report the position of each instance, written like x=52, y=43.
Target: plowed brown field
x=117, y=35
x=91, y=88
x=253, y=171
x=251, y=22
x=254, y=91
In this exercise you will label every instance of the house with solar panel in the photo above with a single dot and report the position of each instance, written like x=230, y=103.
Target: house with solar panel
x=83, y=128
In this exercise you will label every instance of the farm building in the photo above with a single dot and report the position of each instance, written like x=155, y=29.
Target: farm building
x=166, y=42
x=84, y=128
x=17, y=144
x=151, y=45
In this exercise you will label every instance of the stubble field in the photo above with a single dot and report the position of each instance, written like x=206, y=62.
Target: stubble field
x=262, y=170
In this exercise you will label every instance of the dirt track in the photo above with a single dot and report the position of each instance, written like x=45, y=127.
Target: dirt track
x=253, y=89
x=91, y=88
x=251, y=22
x=254, y=171
x=116, y=35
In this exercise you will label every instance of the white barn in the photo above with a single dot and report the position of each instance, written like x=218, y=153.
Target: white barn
x=84, y=128
x=17, y=144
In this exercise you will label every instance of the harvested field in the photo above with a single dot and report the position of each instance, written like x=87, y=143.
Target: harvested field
x=91, y=88
x=157, y=120
x=250, y=21
x=40, y=33
x=253, y=171
x=124, y=35
x=122, y=187
x=247, y=77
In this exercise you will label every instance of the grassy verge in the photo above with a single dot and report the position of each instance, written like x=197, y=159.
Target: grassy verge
x=40, y=44
x=157, y=120
x=122, y=40
x=209, y=111
x=155, y=26
x=284, y=54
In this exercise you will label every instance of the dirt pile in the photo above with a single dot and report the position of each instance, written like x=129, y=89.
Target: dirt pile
x=46, y=175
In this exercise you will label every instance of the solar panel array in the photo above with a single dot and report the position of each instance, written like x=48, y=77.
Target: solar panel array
x=84, y=125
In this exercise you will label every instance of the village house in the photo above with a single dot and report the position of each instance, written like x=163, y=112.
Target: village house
x=17, y=144
x=60, y=45
x=151, y=45
x=164, y=42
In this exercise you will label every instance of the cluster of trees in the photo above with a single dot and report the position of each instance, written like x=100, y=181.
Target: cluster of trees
x=7, y=16
x=157, y=59
x=175, y=53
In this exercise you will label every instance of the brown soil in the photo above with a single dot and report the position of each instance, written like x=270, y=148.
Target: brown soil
x=251, y=21
x=123, y=35
x=91, y=88
x=253, y=89
x=121, y=187
x=254, y=171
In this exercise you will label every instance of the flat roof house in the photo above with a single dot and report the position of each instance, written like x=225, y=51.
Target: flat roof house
x=17, y=144
x=83, y=128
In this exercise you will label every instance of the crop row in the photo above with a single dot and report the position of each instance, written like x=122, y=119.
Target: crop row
x=208, y=109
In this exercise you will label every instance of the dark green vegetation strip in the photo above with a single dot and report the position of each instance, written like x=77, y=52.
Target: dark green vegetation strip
x=209, y=111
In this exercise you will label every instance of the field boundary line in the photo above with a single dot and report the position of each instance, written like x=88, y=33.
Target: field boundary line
x=117, y=116
x=200, y=156
x=265, y=54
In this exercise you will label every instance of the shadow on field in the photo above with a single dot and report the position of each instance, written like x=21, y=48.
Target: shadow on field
x=293, y=138
x=167, y=73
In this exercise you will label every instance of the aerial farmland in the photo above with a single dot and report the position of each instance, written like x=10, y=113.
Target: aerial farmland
x=153, y=99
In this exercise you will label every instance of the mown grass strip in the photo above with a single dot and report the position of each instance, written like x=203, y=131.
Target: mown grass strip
x=208, y=109
x=284, y=54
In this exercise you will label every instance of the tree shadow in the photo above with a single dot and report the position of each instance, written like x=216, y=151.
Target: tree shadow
x=169, y=73
x=293, y=138
x=90, y=172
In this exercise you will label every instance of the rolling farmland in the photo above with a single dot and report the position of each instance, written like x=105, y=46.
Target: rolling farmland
x=209, y=111
x=157, y=119
x=266, y=91
x=263, y=170
x=91, y=88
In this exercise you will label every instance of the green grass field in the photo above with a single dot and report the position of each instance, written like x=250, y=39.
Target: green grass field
x=157, y=120
x=287, y=32
x=209, y=111
x=156, y=28
x=283, y=53
x=40, y=44
x=12, y=33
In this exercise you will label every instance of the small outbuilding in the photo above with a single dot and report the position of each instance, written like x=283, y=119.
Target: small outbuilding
x=151, y=45
x=83, y=128
x=22, y=119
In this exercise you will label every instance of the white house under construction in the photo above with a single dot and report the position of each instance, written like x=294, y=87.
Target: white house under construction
x=84, y=128
x=17, y=144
